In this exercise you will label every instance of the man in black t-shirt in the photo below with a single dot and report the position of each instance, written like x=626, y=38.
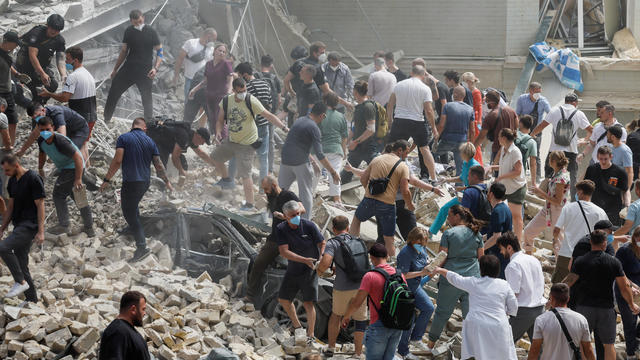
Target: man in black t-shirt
x=611, y=184
x=34, y=59
x=308, y=94
x=269, y=252
x=599, y=270
x=174, y=138
x=26, y=211
x=139, y=42
x=120, y=340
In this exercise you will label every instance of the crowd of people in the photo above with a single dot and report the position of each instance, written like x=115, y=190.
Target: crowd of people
x=486, y=264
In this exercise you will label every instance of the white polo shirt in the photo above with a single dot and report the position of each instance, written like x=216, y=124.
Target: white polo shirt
x=411, y=94
x=524, y=275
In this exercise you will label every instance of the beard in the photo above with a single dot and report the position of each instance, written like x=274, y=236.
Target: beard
x=271, y=199
x=137, y=321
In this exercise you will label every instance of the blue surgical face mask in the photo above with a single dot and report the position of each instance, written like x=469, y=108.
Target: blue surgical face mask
x=609, y=238
x=577, y=197
x=46, y=134
x=419, y=248
x=295, y=220
x=69, y=67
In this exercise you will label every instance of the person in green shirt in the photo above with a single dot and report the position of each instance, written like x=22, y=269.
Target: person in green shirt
x=334, y=140
x=525, y=141
x=464, y=246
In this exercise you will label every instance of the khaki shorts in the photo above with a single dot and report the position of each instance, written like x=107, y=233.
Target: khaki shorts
x=341, y=299
x=244, y=155
x=518, y=196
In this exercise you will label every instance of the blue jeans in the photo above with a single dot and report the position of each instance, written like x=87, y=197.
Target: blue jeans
x=444, y=146
x=629, y=324
x=385, y=214
x=424, y=304
x=381, y=342
x=262, y=152
x=442, y=216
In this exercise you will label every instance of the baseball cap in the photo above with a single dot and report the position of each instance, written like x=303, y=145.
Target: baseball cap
x=602, y=225
x=378, y=250
x=12, y=36
x=204, y=133
x=572, y=97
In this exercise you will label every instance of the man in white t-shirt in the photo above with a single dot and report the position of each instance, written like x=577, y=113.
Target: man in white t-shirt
x=410, y=101
x=575, y=226
x=559, y=141
x=79, y=90
x=548, y=335
x=599, y=136
x=381, y=82
x=194, y=55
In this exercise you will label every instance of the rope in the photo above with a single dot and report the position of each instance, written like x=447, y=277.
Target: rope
x=235, y=36
x=159, y=11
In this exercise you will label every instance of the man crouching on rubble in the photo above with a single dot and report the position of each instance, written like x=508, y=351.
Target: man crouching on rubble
x=301, y=243
x=26, y=210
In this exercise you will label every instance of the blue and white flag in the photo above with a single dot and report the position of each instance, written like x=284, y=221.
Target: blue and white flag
x=563, y=62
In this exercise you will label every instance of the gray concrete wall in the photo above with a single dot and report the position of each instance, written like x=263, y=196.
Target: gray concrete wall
x=419, y=27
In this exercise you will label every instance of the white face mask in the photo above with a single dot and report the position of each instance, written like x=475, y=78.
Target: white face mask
x=139, y=27
x=638, y=243
x=536, y=96
x=322, y=58
x=334, y=68
x=241, y=95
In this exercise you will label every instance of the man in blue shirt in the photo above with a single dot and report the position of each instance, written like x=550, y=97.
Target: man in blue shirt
x=134, y=152
x=68, y=160
x=500, y=222
x=632, y=219
x=301, y=243
x=65, y=121
x=622, y=156
x=455, y=126
x=536, y=105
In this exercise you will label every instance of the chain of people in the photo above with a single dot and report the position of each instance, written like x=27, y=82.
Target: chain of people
x=485, y=265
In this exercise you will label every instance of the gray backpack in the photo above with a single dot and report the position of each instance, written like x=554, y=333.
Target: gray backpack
x=565, y=130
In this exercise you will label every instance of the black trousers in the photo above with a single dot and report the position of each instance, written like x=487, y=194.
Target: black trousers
x=131, y=194
x=268, y=253
x=364, y=152
x=405, y=219
x=61, y=191
x=10, y=111
x=127, y=76
x=14, y=251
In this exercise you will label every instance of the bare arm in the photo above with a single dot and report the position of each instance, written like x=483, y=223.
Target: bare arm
x=178, y=65
x=40, y=207
x=428, y=110
x=406, y=194
x=158, y=58
x=364, y=178
x=483, y=134
x=62, y=97
x=557, y=197
x=33, y=58
x=624, y=229
x=62, y=68
x=442, y=123
x=291, y=256
x=625, y=289
x=571, y=279
x=543, y=124
x=115, y=164
x=287, y=84
x=587, y=350
x=6, y=140
x=471, y=133
x=534, y=350
x=32, y=137
x=274, y=120
x=175, y=159
x=324, y=264
x=343, y=144
x=556, y=240
x=533, y=166
x=204, y=156
x=629, y=171
x=62, y=130
x=6, y=219
x=162, y=174
x=79, y=167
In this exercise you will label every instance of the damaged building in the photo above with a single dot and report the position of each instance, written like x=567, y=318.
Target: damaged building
x=202, y=246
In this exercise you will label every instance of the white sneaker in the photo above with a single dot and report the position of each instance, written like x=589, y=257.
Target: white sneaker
x=419, y=347
x=17, y=289
x=410, y=356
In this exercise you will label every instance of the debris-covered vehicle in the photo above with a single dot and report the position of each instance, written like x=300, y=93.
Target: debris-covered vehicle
x=209, y=240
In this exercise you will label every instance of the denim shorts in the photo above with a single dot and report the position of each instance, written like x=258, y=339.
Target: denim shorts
x=385, y=214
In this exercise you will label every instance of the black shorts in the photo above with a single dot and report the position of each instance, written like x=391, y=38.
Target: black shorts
x=307, y=283
x=405, y=129
x=602, y=321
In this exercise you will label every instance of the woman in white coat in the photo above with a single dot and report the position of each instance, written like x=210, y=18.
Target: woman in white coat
x=486, y=333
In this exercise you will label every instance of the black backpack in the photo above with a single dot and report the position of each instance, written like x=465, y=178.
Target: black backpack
x=483, y=207
x=397, y=307
x=247, y=102
x=565, y=130
x=355, y=259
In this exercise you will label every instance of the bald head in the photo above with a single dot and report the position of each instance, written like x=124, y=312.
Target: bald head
x=419, y=61
x=459, y=93
x=269, y=181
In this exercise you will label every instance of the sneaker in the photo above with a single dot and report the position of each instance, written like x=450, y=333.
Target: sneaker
x=58, y=229
x=328, y=352
x=226, y=184
x=90, y=232
x=410, y=356
x=247, y=207
x=125, y=231
x=418, y=346
x=140, y=254
x=17, y=289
